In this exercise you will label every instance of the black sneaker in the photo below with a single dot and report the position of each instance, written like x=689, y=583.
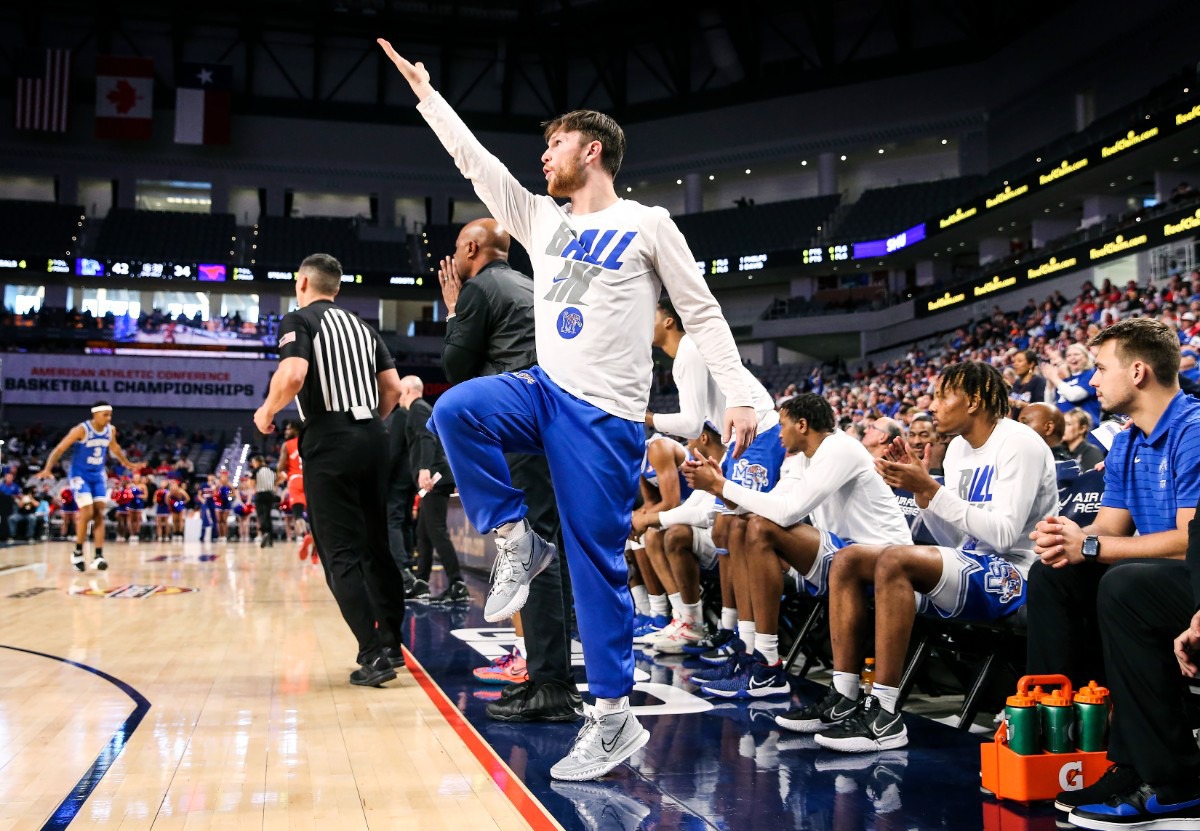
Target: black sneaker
x=1141, y=807
x=456, y=593
x=418, y=591
x=78, y=561
x=547, y=701
x=870, y=729
x=395, y=656
x=713, y=641
x=833, y=709
x=99, y=563
x=374, y=674
x=1116, y=781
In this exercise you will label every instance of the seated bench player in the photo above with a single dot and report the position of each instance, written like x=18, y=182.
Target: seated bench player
x=688, y=546
x=831, y=480
x=999, y=483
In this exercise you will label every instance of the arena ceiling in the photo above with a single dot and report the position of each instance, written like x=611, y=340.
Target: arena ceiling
x=506, y=60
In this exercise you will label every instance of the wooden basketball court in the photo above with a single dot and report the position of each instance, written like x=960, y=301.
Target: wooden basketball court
x=207, y=689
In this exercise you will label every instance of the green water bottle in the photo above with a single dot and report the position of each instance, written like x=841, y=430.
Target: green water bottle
x=1021, y=724
x=1058, y=722
x=1091, y=718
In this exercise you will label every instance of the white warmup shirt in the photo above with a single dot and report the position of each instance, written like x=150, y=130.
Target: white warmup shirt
x=838, y=489
x=995, y=494
x=697, y=511
x=700, y=399
x=596, y=282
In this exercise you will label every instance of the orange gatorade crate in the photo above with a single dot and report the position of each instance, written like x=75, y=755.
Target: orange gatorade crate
x=1042, y=775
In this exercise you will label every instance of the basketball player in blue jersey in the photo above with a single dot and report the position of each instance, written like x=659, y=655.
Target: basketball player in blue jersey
x=92, y=441
x=599, y=266
x=663, y=488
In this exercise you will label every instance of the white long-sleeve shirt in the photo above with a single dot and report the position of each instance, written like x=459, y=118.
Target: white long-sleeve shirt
x=596, y=279
x=696, y=511
x=837, y=488
x=995, y=494
x=700, y=399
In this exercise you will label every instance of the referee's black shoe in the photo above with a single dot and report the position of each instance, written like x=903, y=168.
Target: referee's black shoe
x=395, y=656
x=374, y=674
x=533, y=701
x=456, y=592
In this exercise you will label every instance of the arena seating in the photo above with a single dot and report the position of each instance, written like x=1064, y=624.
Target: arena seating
x=40, y=229
x=282, y=242
x=780, y=226
x=167, y=236
x=881, y=212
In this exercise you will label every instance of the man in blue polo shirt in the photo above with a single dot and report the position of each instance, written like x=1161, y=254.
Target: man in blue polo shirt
x=1102, y=586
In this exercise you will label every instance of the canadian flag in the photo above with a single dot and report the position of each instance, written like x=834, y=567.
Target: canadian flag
x=124, y=97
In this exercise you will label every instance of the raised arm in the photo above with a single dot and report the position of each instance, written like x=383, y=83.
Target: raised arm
x=504, y=196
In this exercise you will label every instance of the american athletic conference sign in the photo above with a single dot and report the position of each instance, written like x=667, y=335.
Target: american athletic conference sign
x=134, y=381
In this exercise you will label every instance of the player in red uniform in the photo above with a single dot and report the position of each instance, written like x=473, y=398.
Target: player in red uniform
x=291, y=471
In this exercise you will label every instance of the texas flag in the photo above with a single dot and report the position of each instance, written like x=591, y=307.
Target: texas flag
x=203, y=103
x=124, y=97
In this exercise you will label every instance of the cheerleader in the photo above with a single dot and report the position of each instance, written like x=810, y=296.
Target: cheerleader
x=243, y=507
x=206, y=500
x=69, y=509
x=177, y=500
x=223, y=497
x=119, y=497
x=162, y=512
x=137, y=505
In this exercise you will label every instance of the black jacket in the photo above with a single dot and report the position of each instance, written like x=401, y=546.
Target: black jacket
x=398, y=468
x=492, y=328
x=424, y=450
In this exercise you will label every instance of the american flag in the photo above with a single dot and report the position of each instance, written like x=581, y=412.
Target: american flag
x=43, y=89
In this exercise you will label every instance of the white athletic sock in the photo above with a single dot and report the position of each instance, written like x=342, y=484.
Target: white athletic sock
x=612, y=705
x=693, y=613
x=888, y=696
x=728, y=618
x=641, y=599
x=659, y=607
x=512, y=530
x=519, y=648
x=768, y=647
x=676, y=601
x=746, y=632
x=847, y=684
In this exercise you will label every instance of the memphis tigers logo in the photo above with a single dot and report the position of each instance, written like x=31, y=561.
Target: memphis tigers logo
x=570, y=323
x=1004, y=580
x=751, y=475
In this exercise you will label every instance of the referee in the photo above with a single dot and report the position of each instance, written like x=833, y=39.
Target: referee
x=264, y=500
x=343, y=379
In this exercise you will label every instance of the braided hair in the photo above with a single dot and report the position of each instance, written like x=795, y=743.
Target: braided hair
x=975, y=379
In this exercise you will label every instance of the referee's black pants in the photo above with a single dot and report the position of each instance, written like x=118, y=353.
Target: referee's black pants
x=546, y=616
x=264, y=503
x=346, y=487
x=1143, y=607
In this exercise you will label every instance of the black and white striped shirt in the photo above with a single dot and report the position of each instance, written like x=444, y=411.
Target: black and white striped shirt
x=343, y=353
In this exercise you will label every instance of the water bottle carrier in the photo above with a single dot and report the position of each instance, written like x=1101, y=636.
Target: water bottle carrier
x=1039, y=776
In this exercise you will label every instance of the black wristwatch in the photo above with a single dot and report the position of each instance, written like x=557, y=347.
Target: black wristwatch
x=1091, y=549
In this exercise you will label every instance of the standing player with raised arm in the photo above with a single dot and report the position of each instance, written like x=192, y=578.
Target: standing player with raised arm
x=92, y=440
x=599, y=265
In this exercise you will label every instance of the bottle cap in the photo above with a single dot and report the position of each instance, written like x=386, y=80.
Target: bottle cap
x=870, y=662
x=1092, y=694
x=1038, y=693
x=1022, y=700
x=1056, y=698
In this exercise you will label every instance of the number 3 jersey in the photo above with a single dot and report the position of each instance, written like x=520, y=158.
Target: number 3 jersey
x=91, y=454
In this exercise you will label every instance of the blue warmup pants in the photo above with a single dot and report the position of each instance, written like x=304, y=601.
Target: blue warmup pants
x=594, y=460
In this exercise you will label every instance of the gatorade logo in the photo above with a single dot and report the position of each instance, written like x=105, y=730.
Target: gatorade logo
x=1070, y=776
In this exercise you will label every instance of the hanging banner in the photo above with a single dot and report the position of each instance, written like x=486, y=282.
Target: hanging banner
x=129, y=381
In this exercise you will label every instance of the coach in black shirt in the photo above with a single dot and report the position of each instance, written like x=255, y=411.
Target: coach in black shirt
x=489, y=330
x=343, y=378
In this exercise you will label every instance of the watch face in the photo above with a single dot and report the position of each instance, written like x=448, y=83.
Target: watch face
x=1091, y=547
